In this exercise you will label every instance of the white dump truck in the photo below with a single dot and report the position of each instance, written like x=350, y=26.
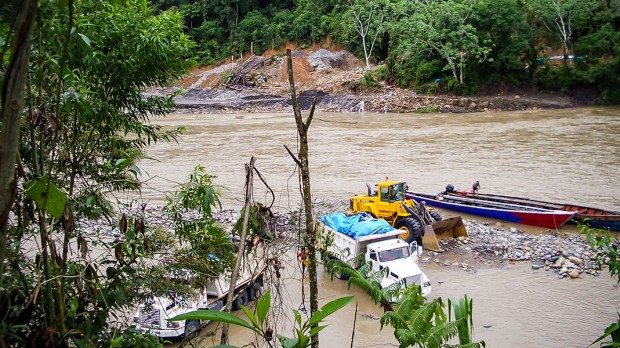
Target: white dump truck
x=153, y=319
x=383, y=247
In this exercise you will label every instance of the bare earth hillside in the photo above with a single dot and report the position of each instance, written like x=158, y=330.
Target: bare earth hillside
x=260, y=84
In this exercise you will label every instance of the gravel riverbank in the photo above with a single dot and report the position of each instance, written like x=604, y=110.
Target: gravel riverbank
x=202, y=101
x=488, y=245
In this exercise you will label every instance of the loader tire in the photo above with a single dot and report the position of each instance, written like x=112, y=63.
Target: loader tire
x=413, y=229
x=435, y=215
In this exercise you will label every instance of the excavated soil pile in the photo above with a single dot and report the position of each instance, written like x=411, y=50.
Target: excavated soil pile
x=260, y=84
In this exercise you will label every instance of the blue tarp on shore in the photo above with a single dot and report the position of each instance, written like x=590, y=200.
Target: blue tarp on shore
x=358, y=225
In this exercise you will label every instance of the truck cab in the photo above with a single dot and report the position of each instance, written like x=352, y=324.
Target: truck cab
x=401, y=259
x=380, y=245
x=153, y=318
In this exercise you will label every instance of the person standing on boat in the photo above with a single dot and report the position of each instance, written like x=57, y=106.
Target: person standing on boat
x=475, y=187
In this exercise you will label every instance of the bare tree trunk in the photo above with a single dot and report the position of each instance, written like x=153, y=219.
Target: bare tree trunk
x=310, y=238
x=354, y=323
x=12, y=107
x=249, y=168
x=366, y=53
x=461, y=69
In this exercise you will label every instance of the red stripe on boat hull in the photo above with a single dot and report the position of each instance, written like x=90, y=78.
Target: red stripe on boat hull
x=542, y=220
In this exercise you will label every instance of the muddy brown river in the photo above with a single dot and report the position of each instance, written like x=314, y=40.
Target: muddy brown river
x=569, y=155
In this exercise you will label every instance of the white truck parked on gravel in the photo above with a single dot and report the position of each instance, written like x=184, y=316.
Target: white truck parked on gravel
x=154, y=319
x=382, y=250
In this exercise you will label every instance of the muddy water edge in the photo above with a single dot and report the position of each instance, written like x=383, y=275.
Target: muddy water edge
x=567, y=155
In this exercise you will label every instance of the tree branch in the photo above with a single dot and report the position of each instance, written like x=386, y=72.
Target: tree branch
x=293, y=156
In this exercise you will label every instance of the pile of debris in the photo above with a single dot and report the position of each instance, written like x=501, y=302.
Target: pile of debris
x=334, y=75
x=246, y=74
x=317, y=70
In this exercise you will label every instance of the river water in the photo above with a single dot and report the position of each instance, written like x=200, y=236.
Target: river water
x=567, y=155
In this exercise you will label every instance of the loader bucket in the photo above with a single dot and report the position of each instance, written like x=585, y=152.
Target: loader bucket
x=445, y=229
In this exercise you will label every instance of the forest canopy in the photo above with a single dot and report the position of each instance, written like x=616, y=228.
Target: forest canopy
x=547, y=44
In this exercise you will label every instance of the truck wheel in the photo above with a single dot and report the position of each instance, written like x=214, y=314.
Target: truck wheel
x=241, y=300
x=191, y=326
x=412, y=229
x=254, y=291
x=341, y=276
x=336, y=274
x=435, y=215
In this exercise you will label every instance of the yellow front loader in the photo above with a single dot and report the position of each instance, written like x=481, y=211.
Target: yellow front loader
x=418, y=222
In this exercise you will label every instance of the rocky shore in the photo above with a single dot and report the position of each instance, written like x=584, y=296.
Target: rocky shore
x=488, y=245
x=382, y=101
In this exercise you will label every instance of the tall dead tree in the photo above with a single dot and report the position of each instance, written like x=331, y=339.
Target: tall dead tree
x=369, y=16
x=302, y=162
x=12, y=105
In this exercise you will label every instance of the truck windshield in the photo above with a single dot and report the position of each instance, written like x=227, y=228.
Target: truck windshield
x=393, y=254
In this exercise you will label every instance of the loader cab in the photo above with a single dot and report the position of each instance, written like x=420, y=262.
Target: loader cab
x=391, y=192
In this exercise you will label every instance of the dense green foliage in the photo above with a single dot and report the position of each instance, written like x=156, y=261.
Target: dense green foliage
x=84, y=127
x=450, y=45
x=86, y=124
x=606, y=246
x=427, y=326
x=415, y=323
x=259, y=322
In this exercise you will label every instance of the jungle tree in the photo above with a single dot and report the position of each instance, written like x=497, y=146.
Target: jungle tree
x=502, y=23
x=18, y=32
x=559, y=17
x=607, y=247
x=442, y=29
x=368, y=17
x=84, y=128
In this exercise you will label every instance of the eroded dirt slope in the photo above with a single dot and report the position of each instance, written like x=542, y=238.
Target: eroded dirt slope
x=260, y=83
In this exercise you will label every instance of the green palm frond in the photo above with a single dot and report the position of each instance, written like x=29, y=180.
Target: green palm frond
x=411, y=300
x=407, y=338
x=369, y=286
x=419, y=321
x=423, y=316
x=394, y=293
x=337, y=266
x=437, y=335
x=428, y=326
x=463, y=313
x=393, y=319
x=378, y=276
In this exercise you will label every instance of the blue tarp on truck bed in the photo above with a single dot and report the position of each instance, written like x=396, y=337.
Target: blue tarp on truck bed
x=358, y=225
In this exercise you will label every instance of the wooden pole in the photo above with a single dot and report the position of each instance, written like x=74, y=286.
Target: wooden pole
x=354, y=323
x=249, y=168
